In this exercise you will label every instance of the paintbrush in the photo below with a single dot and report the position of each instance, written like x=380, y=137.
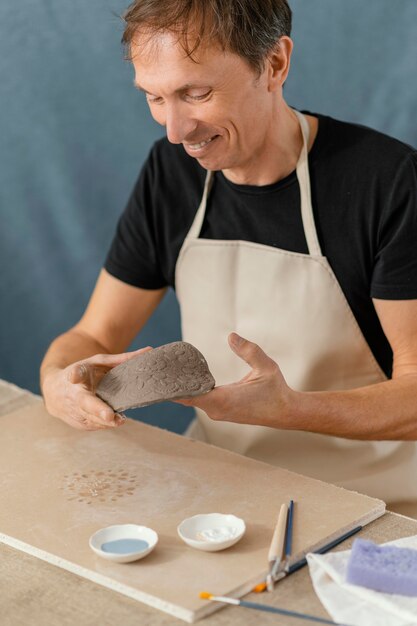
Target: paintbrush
x=288, y=536
x=204, y=595
x=288, y=544
x=277, y=546
x=302, y=562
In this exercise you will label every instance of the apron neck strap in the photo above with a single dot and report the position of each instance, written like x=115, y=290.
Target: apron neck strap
x=303, y=176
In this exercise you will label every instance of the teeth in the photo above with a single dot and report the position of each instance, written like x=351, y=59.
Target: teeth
x=197, y=146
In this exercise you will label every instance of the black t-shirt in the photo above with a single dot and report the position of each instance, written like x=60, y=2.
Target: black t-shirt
x=364, y=195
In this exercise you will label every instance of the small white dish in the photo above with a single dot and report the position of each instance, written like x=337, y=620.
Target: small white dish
x=123, y=543
x=211, y=531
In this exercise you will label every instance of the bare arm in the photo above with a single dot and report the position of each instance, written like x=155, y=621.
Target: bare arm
x=385, y=411
x=77, y=360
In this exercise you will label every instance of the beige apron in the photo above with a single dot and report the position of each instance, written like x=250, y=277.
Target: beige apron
x=293, y=307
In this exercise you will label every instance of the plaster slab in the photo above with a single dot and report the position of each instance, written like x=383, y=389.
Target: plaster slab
x=59, y=485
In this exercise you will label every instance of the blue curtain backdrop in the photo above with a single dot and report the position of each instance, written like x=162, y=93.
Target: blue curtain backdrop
x=74, y=133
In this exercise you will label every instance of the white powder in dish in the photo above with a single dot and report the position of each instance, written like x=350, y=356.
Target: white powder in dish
x=217, y=534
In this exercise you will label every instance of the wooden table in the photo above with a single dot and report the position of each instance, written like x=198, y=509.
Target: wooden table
x=33, y=592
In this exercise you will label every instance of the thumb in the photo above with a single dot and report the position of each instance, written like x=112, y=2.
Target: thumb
x=250, y=352
x=79, y=373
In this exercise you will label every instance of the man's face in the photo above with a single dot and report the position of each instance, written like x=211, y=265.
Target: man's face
x=217, y=108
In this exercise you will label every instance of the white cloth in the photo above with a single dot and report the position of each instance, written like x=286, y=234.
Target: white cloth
x=354, y=605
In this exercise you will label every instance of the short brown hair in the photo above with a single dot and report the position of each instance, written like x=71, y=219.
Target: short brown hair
x=249, y=28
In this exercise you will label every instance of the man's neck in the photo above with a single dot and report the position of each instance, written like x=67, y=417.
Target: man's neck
x=279, y=155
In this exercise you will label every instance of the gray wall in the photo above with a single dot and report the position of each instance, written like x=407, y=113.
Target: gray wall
x=74, y=132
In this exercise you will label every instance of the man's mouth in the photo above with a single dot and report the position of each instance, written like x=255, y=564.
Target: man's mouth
x=201, y=144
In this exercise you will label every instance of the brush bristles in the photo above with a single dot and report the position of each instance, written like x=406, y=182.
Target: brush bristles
x=204, y=595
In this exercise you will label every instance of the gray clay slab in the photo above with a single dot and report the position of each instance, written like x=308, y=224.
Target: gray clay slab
x=171, y=371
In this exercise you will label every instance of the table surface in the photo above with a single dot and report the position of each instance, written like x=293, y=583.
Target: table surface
x=35, y=592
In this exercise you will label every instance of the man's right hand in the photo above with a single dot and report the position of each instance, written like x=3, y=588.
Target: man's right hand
x=69, y=393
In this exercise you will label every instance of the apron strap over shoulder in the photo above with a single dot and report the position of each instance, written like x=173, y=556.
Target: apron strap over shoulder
x=305, y=191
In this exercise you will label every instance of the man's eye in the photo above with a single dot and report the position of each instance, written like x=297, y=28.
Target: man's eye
x=200, y=96
x=154, y=100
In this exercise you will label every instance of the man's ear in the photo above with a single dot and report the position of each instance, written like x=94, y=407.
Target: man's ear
x=278, y=63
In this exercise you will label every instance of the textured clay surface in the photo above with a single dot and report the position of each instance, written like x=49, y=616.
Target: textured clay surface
x=174, y=370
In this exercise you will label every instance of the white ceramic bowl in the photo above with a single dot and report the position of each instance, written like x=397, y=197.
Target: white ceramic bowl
x=211, y=531
x=123, y=543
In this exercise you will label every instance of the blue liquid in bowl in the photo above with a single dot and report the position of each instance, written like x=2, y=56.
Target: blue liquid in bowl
x=125, y=546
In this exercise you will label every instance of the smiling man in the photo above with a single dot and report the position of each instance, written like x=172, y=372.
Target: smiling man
x=289, y=238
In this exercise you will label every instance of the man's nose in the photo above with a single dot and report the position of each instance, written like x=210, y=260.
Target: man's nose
x=179, y=123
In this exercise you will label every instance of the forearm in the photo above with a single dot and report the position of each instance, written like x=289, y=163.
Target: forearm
x=68, y=348
x=385, y=411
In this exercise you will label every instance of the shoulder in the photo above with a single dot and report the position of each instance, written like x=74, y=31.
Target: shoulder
x=361, y=147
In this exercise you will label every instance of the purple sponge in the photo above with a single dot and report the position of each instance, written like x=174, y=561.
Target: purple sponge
x=383, y=568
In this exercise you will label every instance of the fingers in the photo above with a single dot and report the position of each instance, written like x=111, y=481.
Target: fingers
x=69, y=396
x=90, y=412
x=90, y=422
x=251, y=353
x=89, y=371
x=111, y=360
x=98, y=413
x=87, y=422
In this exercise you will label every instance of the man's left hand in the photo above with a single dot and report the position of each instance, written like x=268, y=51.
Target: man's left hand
x=262, y=397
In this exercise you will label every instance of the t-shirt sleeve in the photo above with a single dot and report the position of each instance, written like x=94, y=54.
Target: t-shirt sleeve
x=395, y=269
x=133, y=256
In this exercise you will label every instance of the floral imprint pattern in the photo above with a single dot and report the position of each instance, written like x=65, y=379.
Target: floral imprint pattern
x=171, y=371
x=107, y=485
